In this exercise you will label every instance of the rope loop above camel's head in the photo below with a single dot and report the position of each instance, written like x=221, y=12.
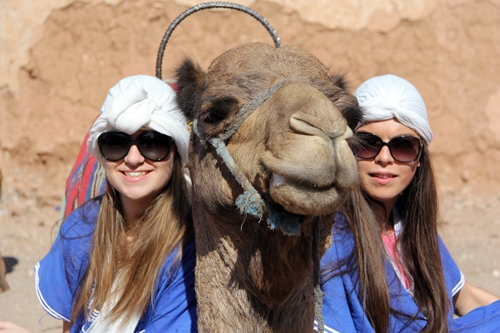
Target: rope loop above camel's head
x=211, y=5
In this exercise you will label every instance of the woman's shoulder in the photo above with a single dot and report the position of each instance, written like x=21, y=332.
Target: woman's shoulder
x=183, y=254
x=339, y=220
x=341, y=231
x=453, y=276
x=189, y=247
x=342, y=241
x=81, y=222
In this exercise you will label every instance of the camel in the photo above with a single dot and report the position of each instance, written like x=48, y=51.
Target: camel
x=262, y=176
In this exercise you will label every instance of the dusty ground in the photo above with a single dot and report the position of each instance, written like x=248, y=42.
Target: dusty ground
x=26, y=237
x=471, y=229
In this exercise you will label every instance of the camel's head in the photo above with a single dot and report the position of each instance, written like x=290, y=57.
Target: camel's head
x=292, y=148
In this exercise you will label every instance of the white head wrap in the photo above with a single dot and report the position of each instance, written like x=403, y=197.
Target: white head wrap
x=389, y=96
x=141, y=102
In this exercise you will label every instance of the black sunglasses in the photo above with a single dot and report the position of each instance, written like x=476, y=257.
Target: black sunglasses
x=152, y=145
x=404, y=148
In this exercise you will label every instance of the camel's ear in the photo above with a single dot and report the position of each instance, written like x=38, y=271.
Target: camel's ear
x=353, y=114
x=190, y=83
x=347, y=103
x=340, y=81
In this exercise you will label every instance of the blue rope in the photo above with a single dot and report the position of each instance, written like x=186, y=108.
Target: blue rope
x=250, y=202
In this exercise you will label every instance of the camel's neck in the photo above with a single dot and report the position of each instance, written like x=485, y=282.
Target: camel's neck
x=260, y=275
x=248, y=277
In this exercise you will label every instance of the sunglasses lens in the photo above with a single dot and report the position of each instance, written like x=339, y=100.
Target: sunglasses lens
x=402, y=148
x=405, y=148
x=114, y=145
x=366, y=145
x=154, y=146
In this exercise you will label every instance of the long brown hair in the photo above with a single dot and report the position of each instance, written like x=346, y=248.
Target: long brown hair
x=420, y=249
x=419, y=252
x=165, y=225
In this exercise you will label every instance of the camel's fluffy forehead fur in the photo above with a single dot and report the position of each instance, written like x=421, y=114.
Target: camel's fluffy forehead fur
x=240, y=74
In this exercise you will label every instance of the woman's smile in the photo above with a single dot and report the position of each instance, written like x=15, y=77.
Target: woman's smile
x=382, y=178
x=135, y=174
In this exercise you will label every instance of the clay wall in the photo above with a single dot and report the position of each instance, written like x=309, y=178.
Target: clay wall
x=58, y=58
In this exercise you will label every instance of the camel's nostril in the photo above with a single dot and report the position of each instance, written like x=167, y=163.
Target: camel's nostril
x=307, y=125
x=347, y=135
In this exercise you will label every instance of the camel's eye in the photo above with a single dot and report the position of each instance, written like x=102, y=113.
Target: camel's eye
x=219, y=110
x=213, y=117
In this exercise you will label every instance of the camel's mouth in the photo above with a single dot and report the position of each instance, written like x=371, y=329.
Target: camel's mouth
x=307, y=199
x=278, y=180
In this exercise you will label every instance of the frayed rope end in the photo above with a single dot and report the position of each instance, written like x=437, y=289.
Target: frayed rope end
x=251, y=203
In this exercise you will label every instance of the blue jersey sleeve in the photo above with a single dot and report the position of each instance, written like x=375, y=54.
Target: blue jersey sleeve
x=57, y=275
x=453, y=277
x=485, y=319
x=174, y=307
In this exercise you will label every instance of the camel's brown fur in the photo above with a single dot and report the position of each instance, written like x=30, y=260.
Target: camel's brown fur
x=248, y=277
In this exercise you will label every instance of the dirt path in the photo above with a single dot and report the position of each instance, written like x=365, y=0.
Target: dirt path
x=470, y=229
x=25, y=232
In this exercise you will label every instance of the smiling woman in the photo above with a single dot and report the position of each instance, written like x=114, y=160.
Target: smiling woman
x=388, y=269
x=139, y=233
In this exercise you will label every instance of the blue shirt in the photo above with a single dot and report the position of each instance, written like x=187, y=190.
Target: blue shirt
x=343, y=312
x=59, y=273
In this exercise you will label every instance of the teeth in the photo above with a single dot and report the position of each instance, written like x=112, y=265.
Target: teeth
x=384, y=176
x=135, y=174
x=277, y=181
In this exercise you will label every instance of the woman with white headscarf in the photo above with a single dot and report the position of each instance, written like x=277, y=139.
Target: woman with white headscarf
x=124, y=261
x=387, y=269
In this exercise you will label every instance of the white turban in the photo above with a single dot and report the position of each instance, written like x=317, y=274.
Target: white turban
x=388, y=96
x=141, y=102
